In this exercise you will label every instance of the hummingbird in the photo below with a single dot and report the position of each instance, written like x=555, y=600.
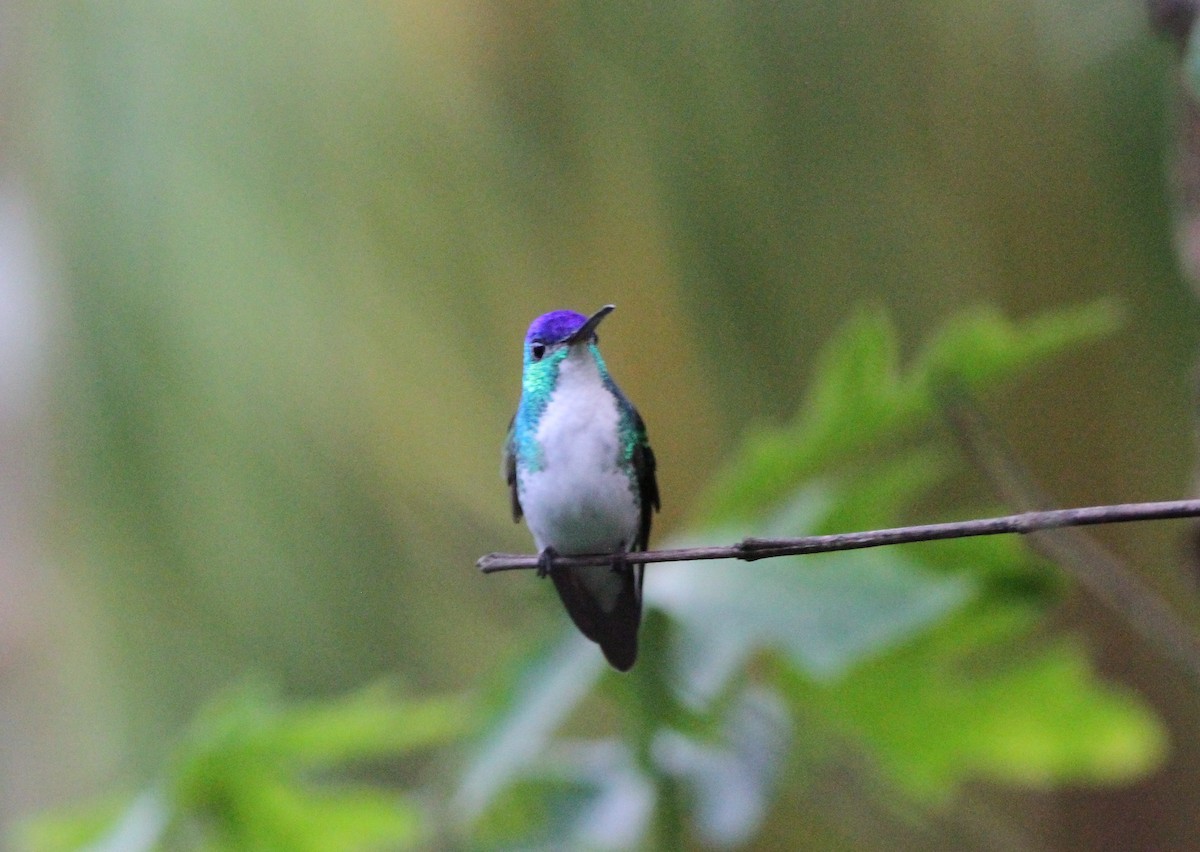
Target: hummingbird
x=581, y=472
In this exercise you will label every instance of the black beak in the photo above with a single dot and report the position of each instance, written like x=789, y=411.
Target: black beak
x=586, y=330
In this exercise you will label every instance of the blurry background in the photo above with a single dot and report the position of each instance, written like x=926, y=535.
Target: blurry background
x=264, y=274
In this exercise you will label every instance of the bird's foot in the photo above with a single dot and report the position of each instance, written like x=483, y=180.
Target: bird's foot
x=619, y=563
x=546, y=562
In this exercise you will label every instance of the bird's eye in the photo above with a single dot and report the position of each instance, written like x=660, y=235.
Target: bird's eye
x=537, y=350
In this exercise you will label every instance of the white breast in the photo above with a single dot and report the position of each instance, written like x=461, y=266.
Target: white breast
x=580, y=501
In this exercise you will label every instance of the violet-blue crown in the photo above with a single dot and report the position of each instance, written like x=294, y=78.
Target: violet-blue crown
x=554, y=326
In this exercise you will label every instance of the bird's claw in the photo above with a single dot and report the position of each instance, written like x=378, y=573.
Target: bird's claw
x=546, y=562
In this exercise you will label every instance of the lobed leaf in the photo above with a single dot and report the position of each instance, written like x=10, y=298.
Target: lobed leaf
x=860, y=398
x=979, y=697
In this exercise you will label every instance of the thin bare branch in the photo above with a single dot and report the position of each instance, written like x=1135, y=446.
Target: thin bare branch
x=750, y=549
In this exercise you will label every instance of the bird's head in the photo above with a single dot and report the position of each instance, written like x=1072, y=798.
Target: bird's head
x=552, y=336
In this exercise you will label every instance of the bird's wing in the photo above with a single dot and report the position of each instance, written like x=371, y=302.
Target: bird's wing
x=643, y=466
x=510, y=470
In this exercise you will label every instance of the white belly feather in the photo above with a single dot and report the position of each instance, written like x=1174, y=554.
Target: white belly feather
x=580, y=501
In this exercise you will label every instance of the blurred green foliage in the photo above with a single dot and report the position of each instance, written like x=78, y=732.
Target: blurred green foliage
x=877, y=648
x=254, y=773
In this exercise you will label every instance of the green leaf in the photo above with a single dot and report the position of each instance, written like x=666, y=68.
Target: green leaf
x=528, y=708
x=281, y=815
x=243, y=778
x=577, y=795
x=370, y=723
x=861, y=399
x=826, y=611
x=731, y=778
x=982, y=347
x=875, y=498
x=81, y=827
x=240, y=767
x=979, y=698
x=856, y=382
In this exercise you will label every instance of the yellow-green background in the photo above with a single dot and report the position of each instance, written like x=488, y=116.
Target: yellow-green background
x=288, y=253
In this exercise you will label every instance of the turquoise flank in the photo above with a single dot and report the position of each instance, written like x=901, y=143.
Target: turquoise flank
x=538, y=379
x=630, y=435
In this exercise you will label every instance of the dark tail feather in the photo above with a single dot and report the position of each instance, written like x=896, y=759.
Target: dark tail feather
x=616, y=632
